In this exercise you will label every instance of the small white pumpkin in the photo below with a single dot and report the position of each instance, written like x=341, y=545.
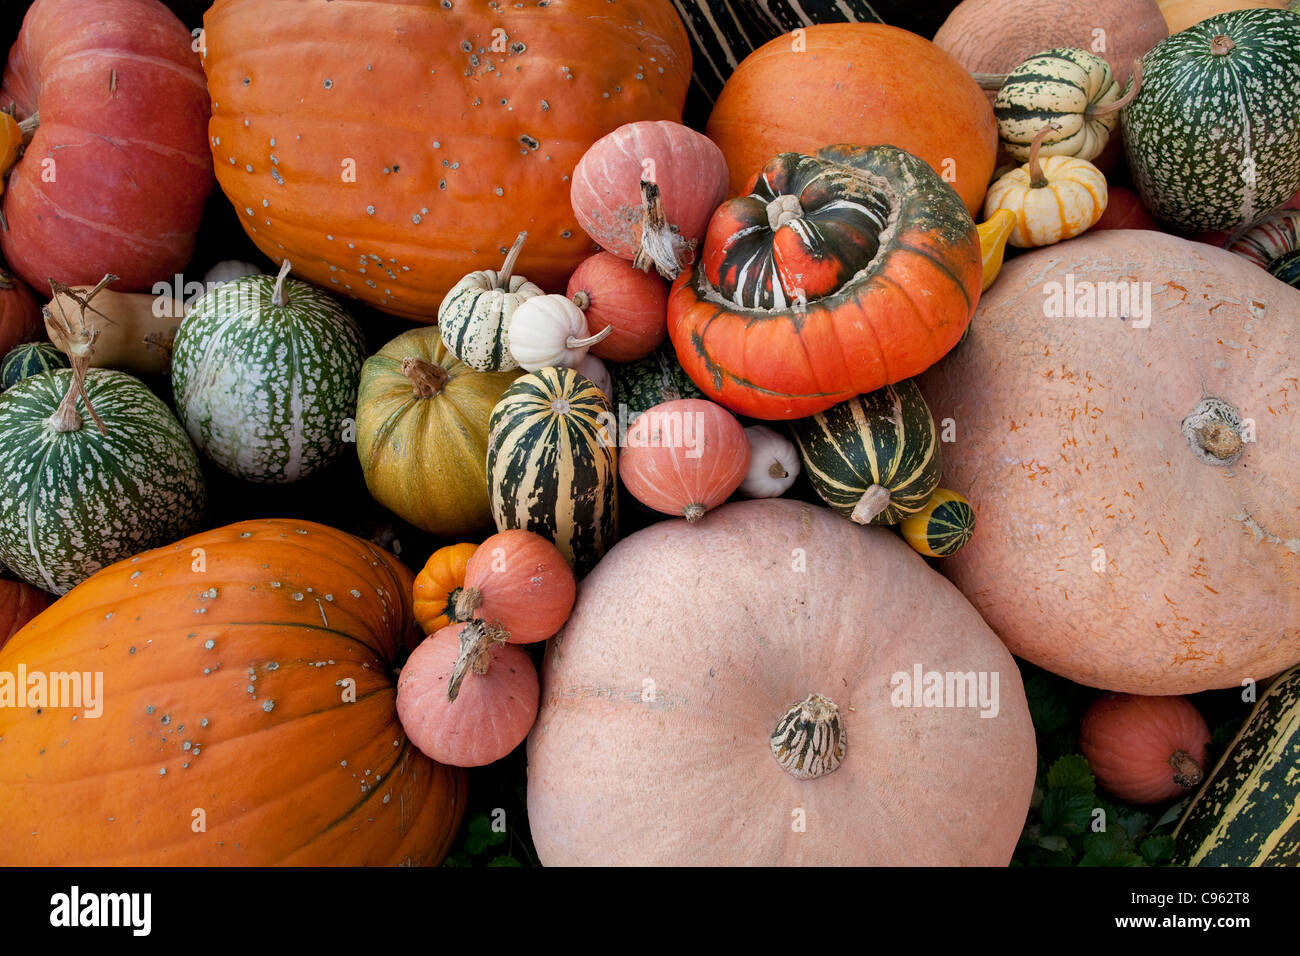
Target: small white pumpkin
x=476, y=315
x=773, y=463
x=594, y=369
x=230, y=270
x=549, y=331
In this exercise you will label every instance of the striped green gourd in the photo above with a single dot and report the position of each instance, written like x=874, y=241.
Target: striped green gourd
x=1212, y=137
x=1273, y=244
x=265, y=372
x=78, y=499
x=650, y=381
x=1074, y=89
x=1287, y=268
x=874, y=458
x=552, y=463
x=474, y=317
x=1248, y=811
x=28, y=359
x=942, y=527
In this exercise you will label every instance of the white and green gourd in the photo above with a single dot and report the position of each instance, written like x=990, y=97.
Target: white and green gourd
x=265, y=373
x=474, y=317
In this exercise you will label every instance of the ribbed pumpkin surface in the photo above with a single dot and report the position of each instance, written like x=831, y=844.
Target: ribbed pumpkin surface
x=225, y=660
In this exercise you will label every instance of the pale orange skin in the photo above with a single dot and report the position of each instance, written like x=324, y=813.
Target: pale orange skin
x=1068, y=439
x=731, y=634
x=862, y=83
x=1181, y=14
x=1129, y=740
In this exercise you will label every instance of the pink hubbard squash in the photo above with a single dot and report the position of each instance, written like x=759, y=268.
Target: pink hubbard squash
x=118, y=169
x=1145, y=749
x=1134, y=460
x=700, y=659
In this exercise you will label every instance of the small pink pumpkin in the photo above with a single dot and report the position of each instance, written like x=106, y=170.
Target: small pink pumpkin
x=612, y=291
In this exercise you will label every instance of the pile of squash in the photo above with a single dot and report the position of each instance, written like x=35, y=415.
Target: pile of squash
x=433, y=460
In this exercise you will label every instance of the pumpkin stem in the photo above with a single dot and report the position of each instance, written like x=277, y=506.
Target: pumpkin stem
x=427, y=378
x=1221, y=45
x=6, y=280
x=777, y=470
x=29, y=126
x=507, y=267
x=79, y=345
x=582, y=299
x=809, y=740
x=1187, y=772
x=1134, y=85
x=572, y=342
x=693, y=512
x=278, y=296
x=469, y=601
x=661, y=245
x=782, y=209
x=1036, y=178
x=1213, y=429
x=872, y=503
x=475, y=655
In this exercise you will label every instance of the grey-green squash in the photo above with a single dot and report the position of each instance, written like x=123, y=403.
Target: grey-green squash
x=265, y=372
x=650, y=381
x=28, y=359
x=475, y=315
x=552, y=463
x=79, y=497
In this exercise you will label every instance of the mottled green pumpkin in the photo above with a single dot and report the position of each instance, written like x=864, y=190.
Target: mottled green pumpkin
x=28, y=359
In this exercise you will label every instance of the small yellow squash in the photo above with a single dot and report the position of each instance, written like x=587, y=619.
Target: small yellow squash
x=1057, y=198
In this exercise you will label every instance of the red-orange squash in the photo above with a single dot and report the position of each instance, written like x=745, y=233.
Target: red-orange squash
x=19, y=603
x=863, y=83
x=392, y=147
x=1145, y=749
x=247, y=713
x=613, y=292
x=520, y=585
x=1125, y=413
x=20, y=313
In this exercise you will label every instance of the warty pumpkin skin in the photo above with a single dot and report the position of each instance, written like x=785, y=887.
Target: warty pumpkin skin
x=224, y=658
x=1123, y=558
x=652, y=751
x=447, y=129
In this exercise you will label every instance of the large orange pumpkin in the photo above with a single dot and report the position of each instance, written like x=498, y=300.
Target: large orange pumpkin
x=863, y=83
x=248, y=712
x=388, y=148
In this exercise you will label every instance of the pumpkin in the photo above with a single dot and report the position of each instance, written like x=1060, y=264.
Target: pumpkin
x=474, y=318
x=422, y=433
x=20, y=313
x=1271, y=242
x=19, y=603
x=993, y=233
x=860, y=83
x=942, y=527
x=1103, y=409
x=1287, y=268
x=134, y=331
x=117, y=172
x=645, y=192
x=519, y=585
x=1181, y=14
x=773, y=463
x=1211, y=138
x=490, y=710
x=33, y=358
x=552, y=463
x=1052, y=199
x=875, y=458
x=825, y=257
x=614, y=293
x=265, y=370
x=1145, y=749
x=489, y=112
x=596, y=372
x=247, y=683
x=228, y=270
x=684, y=457
x=696, y=656
x=549, y=331
x=1124, y=210
x=437, y=587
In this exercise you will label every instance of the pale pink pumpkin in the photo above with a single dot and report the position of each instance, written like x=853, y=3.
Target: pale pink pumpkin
x=492, y=711
x=684, y=457
x=518, y=583
x=612, y=291
x=1145, y=749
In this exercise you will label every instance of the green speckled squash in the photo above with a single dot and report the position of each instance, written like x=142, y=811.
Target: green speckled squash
x=650, y=381
x=265, y=374
x=874, y=458
x=77, y=499
x=422, y=432
x=1074, y=89
x=474, y=318
x=1212, y=137
x=31, y=358
x=553, y=464
x=942, y=527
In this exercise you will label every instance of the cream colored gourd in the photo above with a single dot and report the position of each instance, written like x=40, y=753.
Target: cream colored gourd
x=228, y=270
x=1052, y=199
x=1134, y=537
x=133, y=331
x=594, y=369
x=658, y=751
x=774, y=463
x=475, y=316
x=549, y=331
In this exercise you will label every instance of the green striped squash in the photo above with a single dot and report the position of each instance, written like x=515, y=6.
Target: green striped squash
x=1212, y=137
x=552, y=463
x=474, y=317
x=1248, y=811
x=78, y=500
x=1063, y=86
x=650, y=381
x=942, y=527
x=266, y=390
x=874, y=458
x=1287, y=268
x=28, y=359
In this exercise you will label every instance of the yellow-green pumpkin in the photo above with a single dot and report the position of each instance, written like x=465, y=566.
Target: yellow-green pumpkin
x=422, y=428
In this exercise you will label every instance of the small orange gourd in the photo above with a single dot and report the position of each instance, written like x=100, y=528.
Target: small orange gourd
x=438, y=586
x=1145, y=749
x=1057, y=198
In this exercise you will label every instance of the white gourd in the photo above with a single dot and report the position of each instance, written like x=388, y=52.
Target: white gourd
x=475, y=316
x=549, y=331
x=773, y=463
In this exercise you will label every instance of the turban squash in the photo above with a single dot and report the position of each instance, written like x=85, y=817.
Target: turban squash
x=830, y=276
x=226, y=735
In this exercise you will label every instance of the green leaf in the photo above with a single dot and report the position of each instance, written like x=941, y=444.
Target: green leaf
x=1071, y=772
x=504, y=861
x=1046, y=707
x=1067, y=811
x=457, y=859
x=1054, y=843
x=1173, y=814
x=1158, y=848
x=1108, y=849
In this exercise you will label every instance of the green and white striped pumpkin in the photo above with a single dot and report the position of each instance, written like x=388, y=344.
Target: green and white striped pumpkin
x=552, y=463
x=1064, y=86
x=1274, y=244
x=1248, y=811
x=942, y=527
x=874, y=458
x=265, y=389
x=475, y=315
x=79, y=500
x=1212, y=137
x=650, y=381
x=28, y=359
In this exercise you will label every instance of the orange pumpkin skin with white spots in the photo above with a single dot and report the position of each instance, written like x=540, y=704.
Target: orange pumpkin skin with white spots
x=396, y=146
x=224, y=660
